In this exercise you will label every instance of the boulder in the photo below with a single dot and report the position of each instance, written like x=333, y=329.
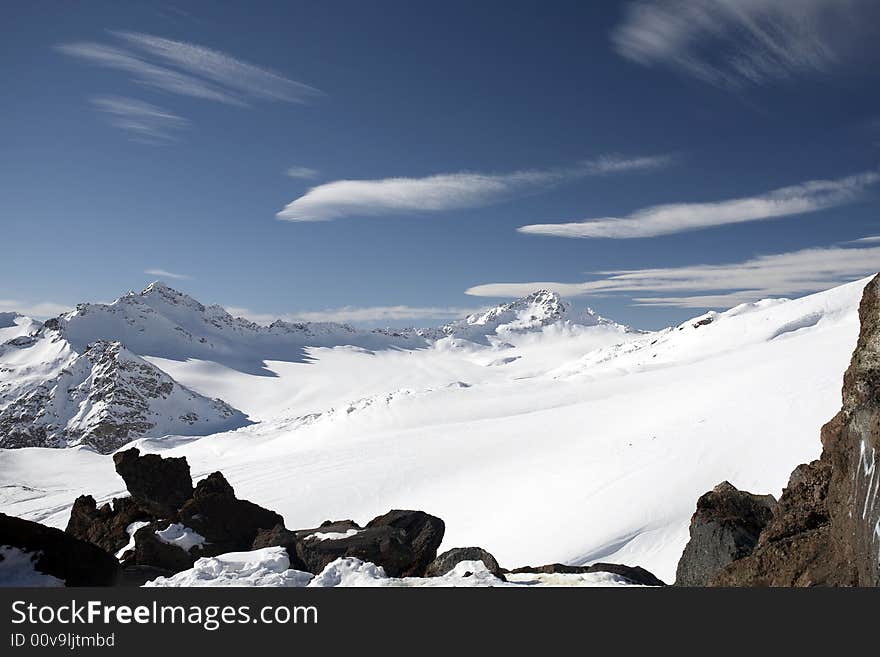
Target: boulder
x=404, y=543
x=635, y=574
x=136, y=576
x=227, y=523
x=423, y=533
x=106, y=526
x=451, y=558
x=151, y=552
x=725, y=527
x=56, y=553
x=158, y=485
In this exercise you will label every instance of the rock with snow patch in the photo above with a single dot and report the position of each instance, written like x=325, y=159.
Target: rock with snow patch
x=58, y=554
x=448, y=560
x=227, y=523
x=105, y=526
x=633, y=574
x=151, y=551
x=404, y=543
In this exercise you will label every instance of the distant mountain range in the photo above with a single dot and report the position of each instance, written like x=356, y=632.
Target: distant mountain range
x=81, y=379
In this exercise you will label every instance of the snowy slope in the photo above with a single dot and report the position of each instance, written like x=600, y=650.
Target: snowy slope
x=104, y=398
x=13, y=325
x=565, y=442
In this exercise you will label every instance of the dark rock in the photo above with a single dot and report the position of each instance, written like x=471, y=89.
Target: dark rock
x=134, y=575
x=724, y=528
x=634, y=574
x=151, y=551
x=227, y=523
x=75, y=562
x=158, y=485
x=404, y=543
x=451, y=558
x=423, y=534
x=826, y=529
x=105, y=526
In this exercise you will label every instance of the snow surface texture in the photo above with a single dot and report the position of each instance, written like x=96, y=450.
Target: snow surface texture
x=596, y=438
x=271, y=567
x=181, y=536
x=17, y=569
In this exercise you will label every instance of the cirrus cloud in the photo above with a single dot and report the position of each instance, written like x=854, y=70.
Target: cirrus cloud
x=809, y=196
x=447, y=191
x=738, y=43
x=715, y=286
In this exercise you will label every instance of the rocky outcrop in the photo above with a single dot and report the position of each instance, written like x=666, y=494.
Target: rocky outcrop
x=404, y=543
x=56, y=553
x=151, y=551
x=795, y=548
x=724, y=528
x=825, y=530
x=105, y=526
x=633, y=574
x=227, y=523
x=162, y=495
x=451, y=558
x=158, y=485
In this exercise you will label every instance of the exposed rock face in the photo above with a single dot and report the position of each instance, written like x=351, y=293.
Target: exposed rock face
x=635, y=574
x=161, y=494
x=826, y=530
x=106, y=397
x=404, y=543
x=724, y=528
x=158, y=485
x=227, y=523
x=150, y=551
x=75, y=562
x=105, y=526
x=451, y=558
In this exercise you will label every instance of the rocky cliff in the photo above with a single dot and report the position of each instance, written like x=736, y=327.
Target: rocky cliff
x=825, y=531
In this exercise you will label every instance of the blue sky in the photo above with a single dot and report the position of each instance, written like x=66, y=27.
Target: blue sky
x=403, y=162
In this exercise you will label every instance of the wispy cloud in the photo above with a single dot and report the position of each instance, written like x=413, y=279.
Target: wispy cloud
x=304, y=173
x=162, y=273
x=191, y=70
x=716, y=286
x=354, y=314
x=448, y=191
x=36, y=310
x=246, y=79
x=148, y=74
x=867, y=240
x=737, y=43
x=143, y=120
x=810, y=196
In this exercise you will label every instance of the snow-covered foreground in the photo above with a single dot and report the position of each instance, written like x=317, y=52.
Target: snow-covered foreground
x=568, y=444
x=271, y=567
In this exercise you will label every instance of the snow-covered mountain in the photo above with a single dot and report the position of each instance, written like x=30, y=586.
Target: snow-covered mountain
x=165, y=323
x=13, y=325
x=530, y=313
x=82, y=378
x=596, y=438
x=104, y=398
